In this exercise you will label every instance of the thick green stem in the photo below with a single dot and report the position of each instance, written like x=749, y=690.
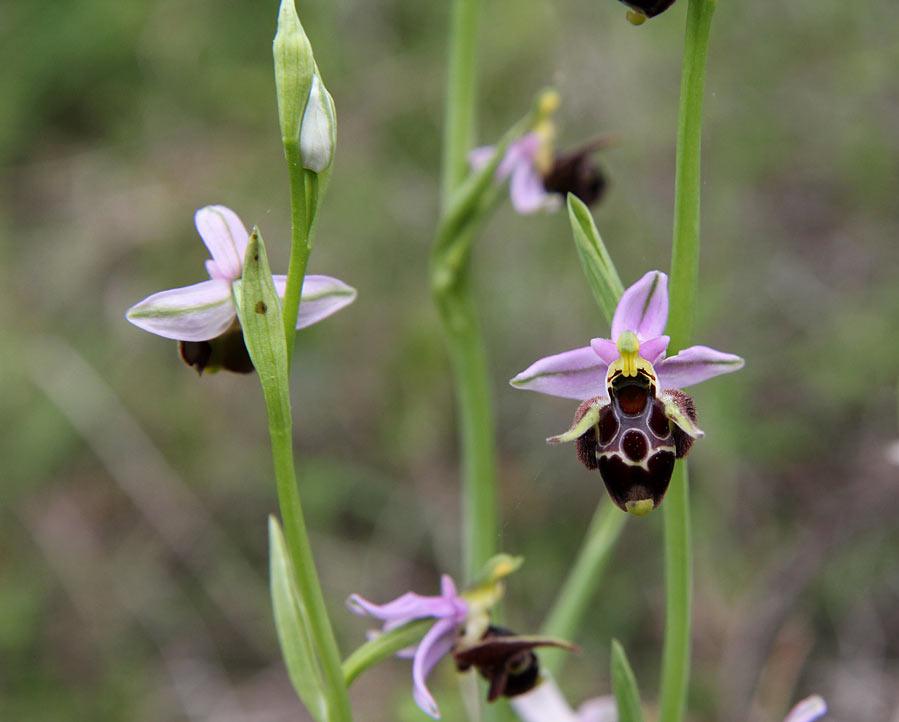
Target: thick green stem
x=461, y=91
x=300, y=242
x=579, y=589
x=684, y=275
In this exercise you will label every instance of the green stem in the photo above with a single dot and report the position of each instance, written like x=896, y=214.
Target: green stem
x=684, y=276
x=579, y=588
x=300, y=550
x=456, y=305
x=475, y=422
x=459, y=115
x=300, y=243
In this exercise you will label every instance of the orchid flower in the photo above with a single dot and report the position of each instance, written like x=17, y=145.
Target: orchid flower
x=206, y=310
x=539, y=179
x=462, y=624
x=451, y=612
x=634, y=420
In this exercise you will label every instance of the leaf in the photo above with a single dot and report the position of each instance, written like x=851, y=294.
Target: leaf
x=259, y=311
x=293, y=631
x=383, y=646
x=624, y=684
x=595, y=259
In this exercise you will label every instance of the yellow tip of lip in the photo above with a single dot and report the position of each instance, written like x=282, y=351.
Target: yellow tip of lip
x=635, y=18
x=639, y=508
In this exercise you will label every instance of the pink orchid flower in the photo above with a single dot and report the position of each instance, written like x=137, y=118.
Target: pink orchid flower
x=206, y=310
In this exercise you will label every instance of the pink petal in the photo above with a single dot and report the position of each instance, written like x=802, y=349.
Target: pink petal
x=578, y=374
x=654, y=349
x=809, y=709
x=479, y=157
x=695, y=364
x=606, y=349
x=192, y=313
x=439, y=640
x=643, y=308
x=225, y=237
x=321, y=297
x=526, y=189
x=403, y=609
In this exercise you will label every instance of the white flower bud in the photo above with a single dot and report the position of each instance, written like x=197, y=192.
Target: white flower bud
x=318, y=130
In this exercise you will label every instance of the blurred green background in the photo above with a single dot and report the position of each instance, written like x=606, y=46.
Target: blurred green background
x=134, y=495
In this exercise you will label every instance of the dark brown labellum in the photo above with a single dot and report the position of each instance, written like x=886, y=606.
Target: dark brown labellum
x=650, y=8
x=227, y=351
x=505, y=660
x=634, y=444
x=577, y=172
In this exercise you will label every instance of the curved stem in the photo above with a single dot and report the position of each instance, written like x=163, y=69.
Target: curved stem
x=579, y=588
x=684, y=274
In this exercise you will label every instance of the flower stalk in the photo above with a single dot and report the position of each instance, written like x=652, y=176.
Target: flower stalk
x=684, y=275
x=260, y=316
x=452, y=290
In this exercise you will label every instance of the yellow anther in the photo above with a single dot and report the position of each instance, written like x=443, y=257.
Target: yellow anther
x=548, y=103
x=639, y=508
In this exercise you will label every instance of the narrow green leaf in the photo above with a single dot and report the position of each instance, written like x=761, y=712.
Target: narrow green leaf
x=595, y=259
x=383, y=646
x=259, y=310
x=292, y=628
x=624, y=684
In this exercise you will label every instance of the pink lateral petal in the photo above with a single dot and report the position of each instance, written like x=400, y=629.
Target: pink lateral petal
x=654, y=349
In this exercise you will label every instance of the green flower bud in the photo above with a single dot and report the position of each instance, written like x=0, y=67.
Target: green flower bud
x=318, y=132
x=294, y=70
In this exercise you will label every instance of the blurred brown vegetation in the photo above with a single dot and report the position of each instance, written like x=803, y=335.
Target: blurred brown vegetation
x=134, y=496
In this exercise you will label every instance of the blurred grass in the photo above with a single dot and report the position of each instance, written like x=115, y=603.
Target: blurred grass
x=119, y=120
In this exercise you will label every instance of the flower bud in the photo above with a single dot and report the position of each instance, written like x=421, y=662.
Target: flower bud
x=294, y=70
x=318, y=131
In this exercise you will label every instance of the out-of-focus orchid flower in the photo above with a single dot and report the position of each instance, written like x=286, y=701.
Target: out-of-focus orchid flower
x=451, y=612
x=462, y=623
x=539, y=180
x=206, y=310
x=634, y=420
x=808, y=710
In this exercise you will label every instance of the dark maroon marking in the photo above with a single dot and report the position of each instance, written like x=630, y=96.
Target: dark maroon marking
x=625, y=482
x=634, y=445
x=608, y=425
x=650, y=8
x=658, y=422
x=632, y=399
x=586, y=448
